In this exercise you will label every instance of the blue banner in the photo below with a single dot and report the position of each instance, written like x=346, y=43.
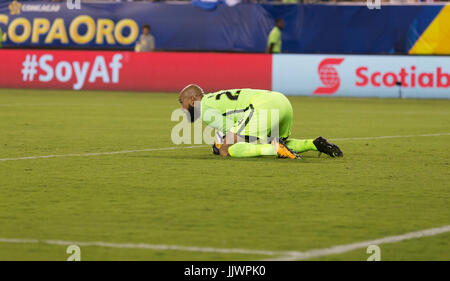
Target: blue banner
x=241, y=28
x=212, y=4
x=113, y=25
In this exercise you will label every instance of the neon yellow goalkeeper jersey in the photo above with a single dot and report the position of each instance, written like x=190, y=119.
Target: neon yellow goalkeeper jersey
x=221, y=110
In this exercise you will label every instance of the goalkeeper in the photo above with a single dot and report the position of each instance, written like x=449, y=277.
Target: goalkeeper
x=253, y=122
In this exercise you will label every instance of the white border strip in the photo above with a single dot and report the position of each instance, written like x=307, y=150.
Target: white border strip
x=282, y=255
x=198, y=146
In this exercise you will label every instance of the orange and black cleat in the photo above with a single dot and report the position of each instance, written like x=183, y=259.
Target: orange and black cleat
x=216, y=148
x=285, y=152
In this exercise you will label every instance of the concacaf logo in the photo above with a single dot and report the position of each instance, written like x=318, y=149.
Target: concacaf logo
x=15, y=7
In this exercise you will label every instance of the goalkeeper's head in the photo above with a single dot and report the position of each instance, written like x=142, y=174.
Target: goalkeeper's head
x=189, y=99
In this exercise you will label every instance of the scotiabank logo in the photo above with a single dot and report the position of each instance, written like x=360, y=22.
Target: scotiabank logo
x=328, y=76
x=406, y=77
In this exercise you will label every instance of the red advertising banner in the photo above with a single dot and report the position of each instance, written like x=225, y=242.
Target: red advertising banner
x=109, y=70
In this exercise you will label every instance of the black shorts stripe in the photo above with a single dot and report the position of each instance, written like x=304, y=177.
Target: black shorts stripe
x=235, y=111
x=246, y=120
x=249, y=138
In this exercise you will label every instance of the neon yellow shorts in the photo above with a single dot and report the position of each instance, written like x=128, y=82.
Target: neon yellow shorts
x=268, y=116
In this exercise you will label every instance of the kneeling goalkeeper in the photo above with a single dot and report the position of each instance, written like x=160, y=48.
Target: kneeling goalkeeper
x=254, y=122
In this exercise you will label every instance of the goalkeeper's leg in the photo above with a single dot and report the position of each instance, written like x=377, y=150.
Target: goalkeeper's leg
x=245, y=149
x=300, y=146
x=318, y=144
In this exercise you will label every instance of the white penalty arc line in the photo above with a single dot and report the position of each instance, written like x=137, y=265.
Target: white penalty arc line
x=198, y=146
x=317, y=253
x=281, y=255
x=392, y=137
x=102, y=153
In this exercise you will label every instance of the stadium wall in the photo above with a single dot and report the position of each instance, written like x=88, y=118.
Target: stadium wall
x=308, y=75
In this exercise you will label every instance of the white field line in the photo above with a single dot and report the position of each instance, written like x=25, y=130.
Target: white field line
x=198, y=146
x=157, y=247
x=392, y=137
x=33, y=104
x=281, y=255
x=102, y=153
x=360, y=245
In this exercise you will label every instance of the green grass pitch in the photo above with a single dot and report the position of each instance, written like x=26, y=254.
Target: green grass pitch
x=189, y=197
